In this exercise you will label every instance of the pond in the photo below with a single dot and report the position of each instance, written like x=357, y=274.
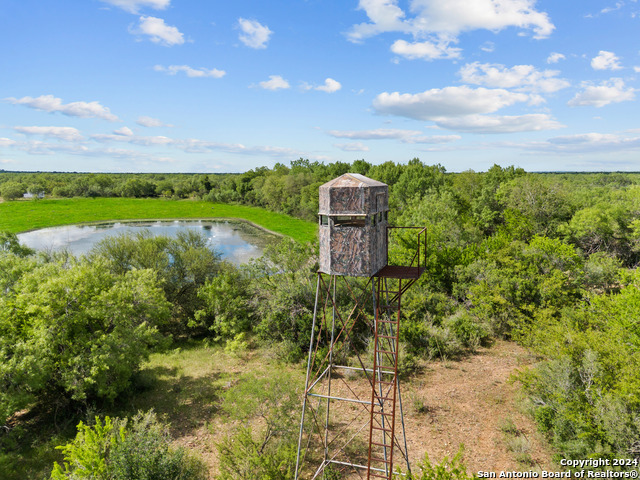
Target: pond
x=237, y=241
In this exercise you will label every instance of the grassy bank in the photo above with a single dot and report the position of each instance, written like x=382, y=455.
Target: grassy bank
x=21, y=216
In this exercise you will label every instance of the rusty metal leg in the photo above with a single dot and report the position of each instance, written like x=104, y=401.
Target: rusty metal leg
x=306, y=385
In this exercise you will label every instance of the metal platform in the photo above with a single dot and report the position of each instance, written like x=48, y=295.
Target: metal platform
x=400, y=271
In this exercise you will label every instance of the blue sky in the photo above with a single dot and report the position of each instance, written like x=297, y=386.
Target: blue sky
x=213, y=86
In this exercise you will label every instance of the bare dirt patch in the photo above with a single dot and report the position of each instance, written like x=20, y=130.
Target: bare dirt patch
x=473, y=402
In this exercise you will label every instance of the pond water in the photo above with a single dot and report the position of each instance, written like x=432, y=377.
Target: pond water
x=237, y=242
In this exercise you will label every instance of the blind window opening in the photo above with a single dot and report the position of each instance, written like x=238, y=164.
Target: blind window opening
x=324, y=220
x=349, y=221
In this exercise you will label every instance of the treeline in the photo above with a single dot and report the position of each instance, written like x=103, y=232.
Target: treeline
x=14, y=185
x=548, y=260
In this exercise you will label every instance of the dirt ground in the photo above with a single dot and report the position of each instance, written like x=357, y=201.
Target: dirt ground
x=473, y=402
x=470, y=402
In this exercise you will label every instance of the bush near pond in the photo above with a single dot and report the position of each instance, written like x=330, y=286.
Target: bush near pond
x=72, y=331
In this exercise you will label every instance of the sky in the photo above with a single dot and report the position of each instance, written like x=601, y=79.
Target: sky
x=228, y=86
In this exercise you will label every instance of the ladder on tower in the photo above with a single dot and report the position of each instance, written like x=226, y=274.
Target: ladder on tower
x=382, y=422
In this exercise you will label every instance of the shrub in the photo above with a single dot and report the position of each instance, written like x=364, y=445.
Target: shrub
x=119, y=449
x=471, y=332
x=225, y=298
x=9, y=243
x=13, y=190
x=268, y=453
x=587, y=393
x=182, y=264
x=453, y=469
x=74, y=332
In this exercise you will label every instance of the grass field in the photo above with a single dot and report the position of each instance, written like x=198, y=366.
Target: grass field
x=21, y=216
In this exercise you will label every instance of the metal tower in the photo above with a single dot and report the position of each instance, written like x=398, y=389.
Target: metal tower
x=351, y=399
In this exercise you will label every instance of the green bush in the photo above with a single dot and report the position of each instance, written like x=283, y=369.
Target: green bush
x=471, y=332
x=9, y=243
x=243, y=457
x=283, y=294
x=120, y=449
x=73, y=331
x=453, y=469
x=183, y=265
x=225, y=311
x=267, y=453
x=587, y=393
x=13, y=190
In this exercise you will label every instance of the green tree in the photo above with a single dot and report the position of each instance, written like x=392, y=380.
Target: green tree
x=75, y=332
x=541, y=199
x=416, y=180
x=485, y=206
x=602, y=228
x=226, y=296
x=12, y=190
x=183, y=264
x=587, y=392
x=283, y=294
x=9, y=243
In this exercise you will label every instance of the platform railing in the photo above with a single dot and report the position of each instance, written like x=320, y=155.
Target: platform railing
x=420, y=256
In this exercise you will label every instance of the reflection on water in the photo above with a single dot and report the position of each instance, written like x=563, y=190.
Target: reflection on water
x=237, y=242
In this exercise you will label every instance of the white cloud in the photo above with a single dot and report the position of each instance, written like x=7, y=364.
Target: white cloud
x=446, y=102
x=133, y=6
x=605, y=61
x=119, y=136
x=275, y=82
x=352, y=147
x=68, y=134
x=49, y=103
x=589, y=143
x=151, y=122
x=433, y=139
x=377, y=134
x=192, y=145
x=521, y=77
x=385, y=16
x=636, y=69
x=449, y=19
x=191, y=72
x=7, y=142
x=126, y=131
x=254, y=34
x=159, y=31
x=330, y=86
x=555, y=57
x=488, y=47
x=455, y=16
x=612, y=91
x=200, y=146
x=424, y=50
x=617, y=6
x=500, y=124
x=584, y=138
x=405, y=136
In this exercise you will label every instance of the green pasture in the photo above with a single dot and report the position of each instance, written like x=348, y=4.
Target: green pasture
x=21, y=216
